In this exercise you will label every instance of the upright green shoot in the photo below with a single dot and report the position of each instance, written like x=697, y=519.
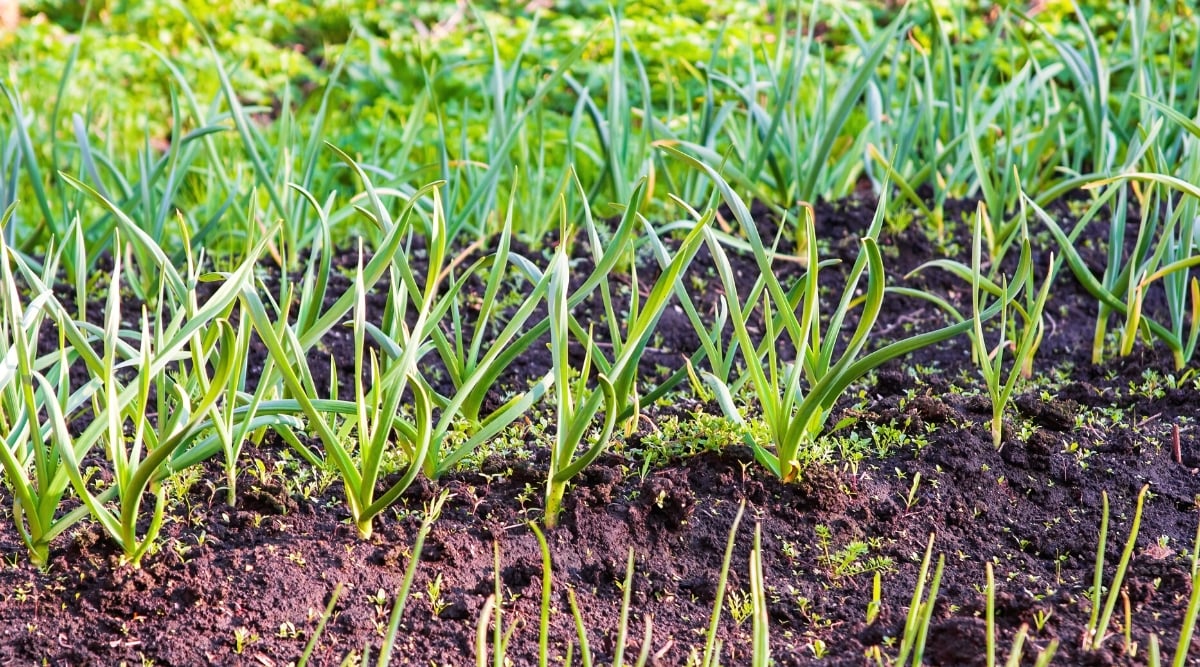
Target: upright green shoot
x=432, y=512
x=1184, y=645
x=1097, y=627
x=576, y=404
x=920, y=610
x=1021, y=325
x=760, y=625
x=712, y=651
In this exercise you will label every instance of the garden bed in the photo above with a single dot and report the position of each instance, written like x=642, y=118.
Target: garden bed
x=444, y=334
x=250, y=584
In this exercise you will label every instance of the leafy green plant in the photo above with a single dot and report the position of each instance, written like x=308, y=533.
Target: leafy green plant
x=782, y=139
x=1164, y=250
x=41, y=455
x=474, y=376
x=1021, y=325
x=795, y=398
x=472, y=370
x=977, y=113
x=20, y=152
x=577, y=406
x=232, y=417
x=1026, y=334
x=476, y=363
x=141, y=450
x=623, y=154
x=35, y=473
x=373, y=415
x=573, y=416
x=286, y=168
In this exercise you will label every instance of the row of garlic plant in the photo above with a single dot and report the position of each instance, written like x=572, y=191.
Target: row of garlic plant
x=933, y=98
x=1049, y=123
x=107, y=412
x=143, y=395
x=146, y=399
x=183, y=363
x=171, y=390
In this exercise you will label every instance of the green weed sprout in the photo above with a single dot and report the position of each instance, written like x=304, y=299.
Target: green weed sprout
x=432, y=512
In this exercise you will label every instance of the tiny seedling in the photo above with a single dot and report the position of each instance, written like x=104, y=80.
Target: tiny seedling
x=242, y=639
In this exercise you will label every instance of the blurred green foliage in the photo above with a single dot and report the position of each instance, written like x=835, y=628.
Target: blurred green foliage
x=418, y=95
x=278, y=43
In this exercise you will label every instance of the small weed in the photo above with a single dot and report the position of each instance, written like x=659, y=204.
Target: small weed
x=437, y=604
x=1040, y=617
x=741, y=606
x=242, y=639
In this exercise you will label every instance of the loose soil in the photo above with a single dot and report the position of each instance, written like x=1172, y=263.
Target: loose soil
x=267, y=567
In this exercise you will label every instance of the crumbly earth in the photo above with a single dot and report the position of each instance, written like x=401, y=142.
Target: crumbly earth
x=248, y=584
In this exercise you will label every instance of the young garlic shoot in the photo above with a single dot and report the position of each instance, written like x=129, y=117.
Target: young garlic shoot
x=1026, y=330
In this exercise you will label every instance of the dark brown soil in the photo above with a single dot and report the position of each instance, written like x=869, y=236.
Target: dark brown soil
x=269, y=566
